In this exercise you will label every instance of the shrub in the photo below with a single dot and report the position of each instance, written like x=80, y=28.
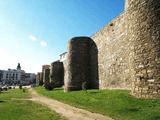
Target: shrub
x=10, y=87
x=20, y=86
x=5, y=89
x=24, y=90
x=40, y=82
x=49, y=85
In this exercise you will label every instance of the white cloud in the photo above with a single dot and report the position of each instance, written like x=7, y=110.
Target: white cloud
x=33, y=38
x=43, y=43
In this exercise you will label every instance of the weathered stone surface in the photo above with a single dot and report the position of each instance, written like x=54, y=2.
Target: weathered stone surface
x=81, y=65
x=144, y=31
x=46, y=73
x=114, y=54
x=38, y=77
x=129, y=48
x=57, y=73
x=93, y=82
x=41, y=78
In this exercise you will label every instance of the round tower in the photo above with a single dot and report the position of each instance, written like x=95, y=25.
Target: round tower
x=82, y=64
x=57, y=73
x=144, y=32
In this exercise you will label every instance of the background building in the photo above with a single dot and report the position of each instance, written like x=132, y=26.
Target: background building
x=1, y=76
x=16, y=77
x=30, y=78
x=63, y=57
x=13, y=77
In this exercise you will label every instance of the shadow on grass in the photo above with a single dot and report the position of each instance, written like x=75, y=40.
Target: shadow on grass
x=156, y=118
x=133, y=109
x=1, y=101
x=58, y=89
x=93, y=92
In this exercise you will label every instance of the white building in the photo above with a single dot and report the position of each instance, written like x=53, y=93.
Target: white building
x=63, y=57
x=17, y=77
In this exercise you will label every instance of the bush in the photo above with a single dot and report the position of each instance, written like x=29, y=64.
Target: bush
x=20, y=86
x=40, y=82
x=5, y=89
x=49, y=85
x=24, y=90
x=9, y=87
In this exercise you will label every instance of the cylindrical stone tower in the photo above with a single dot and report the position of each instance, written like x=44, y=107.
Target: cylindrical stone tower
x=57, y=73
x=79, y=61
x=41, y=79
x=45, y=73
x=144, y=32
x=38, y=77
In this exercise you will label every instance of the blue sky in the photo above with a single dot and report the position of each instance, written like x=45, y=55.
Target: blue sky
x=35, y=32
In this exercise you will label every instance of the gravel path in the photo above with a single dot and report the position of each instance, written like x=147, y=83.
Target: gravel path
x=70, y=112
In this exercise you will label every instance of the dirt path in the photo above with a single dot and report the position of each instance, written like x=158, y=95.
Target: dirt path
x=70, y=112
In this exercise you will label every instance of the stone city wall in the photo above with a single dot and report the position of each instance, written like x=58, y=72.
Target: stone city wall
x=129, y=49
x=127, y=52
x=144, y=31
x=114, y=54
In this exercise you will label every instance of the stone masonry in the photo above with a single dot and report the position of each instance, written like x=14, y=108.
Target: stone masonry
x=46, y=73
x=124, y=54
x=57, y=74
x=114, y=54
x=129, y=49
x=38, y=77
x=144, y=32
x=82, y=65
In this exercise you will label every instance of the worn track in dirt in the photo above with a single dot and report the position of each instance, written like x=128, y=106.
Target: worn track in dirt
x=70, y=112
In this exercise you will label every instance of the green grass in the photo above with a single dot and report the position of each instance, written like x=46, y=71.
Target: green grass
x=13, y=109
x=117, y=104
x=13, y=93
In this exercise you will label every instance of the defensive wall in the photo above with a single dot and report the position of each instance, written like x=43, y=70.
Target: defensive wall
x=127, y=53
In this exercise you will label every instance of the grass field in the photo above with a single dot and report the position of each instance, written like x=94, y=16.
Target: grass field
x=13, y=109
x=117, y=104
